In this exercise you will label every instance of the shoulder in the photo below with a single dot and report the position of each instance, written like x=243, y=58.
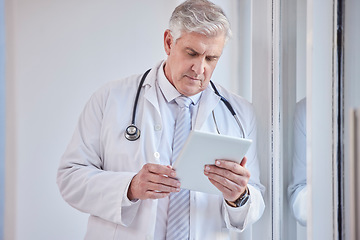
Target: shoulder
x=128, y=84
x=123, y=84
x=113, y=91
x=237, y=101
x=242, y=107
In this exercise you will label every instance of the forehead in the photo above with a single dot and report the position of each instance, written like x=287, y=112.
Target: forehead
x=202, y=44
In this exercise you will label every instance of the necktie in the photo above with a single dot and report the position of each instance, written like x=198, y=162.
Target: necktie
x=178, y=225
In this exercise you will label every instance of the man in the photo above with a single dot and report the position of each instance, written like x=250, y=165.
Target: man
x=128, y=187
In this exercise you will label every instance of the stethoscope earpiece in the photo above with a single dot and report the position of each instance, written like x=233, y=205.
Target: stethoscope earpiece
x=132, y=133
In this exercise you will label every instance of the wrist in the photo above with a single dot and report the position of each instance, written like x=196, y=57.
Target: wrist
x=241, y=201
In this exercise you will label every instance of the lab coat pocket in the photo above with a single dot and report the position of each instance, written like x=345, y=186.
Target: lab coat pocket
x=123, y=155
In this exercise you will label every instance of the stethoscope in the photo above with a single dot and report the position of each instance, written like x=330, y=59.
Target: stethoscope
x=132, y=132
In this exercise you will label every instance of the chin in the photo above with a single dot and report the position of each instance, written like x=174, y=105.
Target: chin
x=190, y=87
x=191, y=92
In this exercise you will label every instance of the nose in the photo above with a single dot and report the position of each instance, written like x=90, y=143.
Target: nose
x=198, y=66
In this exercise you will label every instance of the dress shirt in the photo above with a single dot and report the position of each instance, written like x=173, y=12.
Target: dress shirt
x=166, y=94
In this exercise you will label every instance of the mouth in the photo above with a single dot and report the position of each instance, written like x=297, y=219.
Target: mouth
x=194, y=78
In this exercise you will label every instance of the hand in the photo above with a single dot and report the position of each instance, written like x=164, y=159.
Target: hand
x=229, y=177
x=153, y=181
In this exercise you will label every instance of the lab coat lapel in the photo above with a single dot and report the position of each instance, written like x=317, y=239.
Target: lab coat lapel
x=150, y=89
x=207, y=104
x=151, y=97
x=151, y=112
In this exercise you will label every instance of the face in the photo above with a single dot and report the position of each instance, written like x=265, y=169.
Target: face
x=191, y=60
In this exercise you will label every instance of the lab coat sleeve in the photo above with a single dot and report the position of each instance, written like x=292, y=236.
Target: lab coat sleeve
x=81, y=177
x=239, y=218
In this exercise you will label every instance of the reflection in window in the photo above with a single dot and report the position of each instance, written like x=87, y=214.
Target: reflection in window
x=297, y=190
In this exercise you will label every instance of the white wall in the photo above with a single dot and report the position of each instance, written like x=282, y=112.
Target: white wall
x=57, y=54
x=2, y=116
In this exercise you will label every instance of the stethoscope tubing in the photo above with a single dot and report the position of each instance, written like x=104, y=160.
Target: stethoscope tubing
x=137, y=96
x=132, y=132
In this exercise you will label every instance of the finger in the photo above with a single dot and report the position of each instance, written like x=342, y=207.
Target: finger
x=164, y=180
x=160, y=169
x=232, y=166
x=228, y=194
x=222, y=188
x=162, y=188
x=227, y=178
x=218, y=172
x=233, y=183
x=230, y=191
x=154, y=173
x=156, y=195
x=142, y=188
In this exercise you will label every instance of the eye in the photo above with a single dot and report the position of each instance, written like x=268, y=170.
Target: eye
x=211, y=58
x=193, y=54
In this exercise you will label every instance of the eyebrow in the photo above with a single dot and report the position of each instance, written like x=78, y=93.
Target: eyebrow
x=210, y=56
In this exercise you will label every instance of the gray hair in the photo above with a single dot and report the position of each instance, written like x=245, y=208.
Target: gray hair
x=200, y=16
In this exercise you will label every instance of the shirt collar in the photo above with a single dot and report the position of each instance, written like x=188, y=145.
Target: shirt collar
x=168, y=90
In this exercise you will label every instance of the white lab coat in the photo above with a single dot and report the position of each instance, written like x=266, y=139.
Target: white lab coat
x=99, y=162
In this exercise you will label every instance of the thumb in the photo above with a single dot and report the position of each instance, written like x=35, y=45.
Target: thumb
x=243, y=161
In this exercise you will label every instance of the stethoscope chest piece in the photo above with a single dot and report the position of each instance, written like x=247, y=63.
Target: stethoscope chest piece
x=132, y=133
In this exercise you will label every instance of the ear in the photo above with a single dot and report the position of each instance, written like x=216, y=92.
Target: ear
x=168, y=41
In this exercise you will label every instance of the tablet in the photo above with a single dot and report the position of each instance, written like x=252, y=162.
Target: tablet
x=202, y=148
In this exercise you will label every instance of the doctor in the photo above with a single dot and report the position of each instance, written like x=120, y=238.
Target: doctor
x=125, y=185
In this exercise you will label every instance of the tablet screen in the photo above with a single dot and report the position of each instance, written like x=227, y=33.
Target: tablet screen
x=203, y=148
